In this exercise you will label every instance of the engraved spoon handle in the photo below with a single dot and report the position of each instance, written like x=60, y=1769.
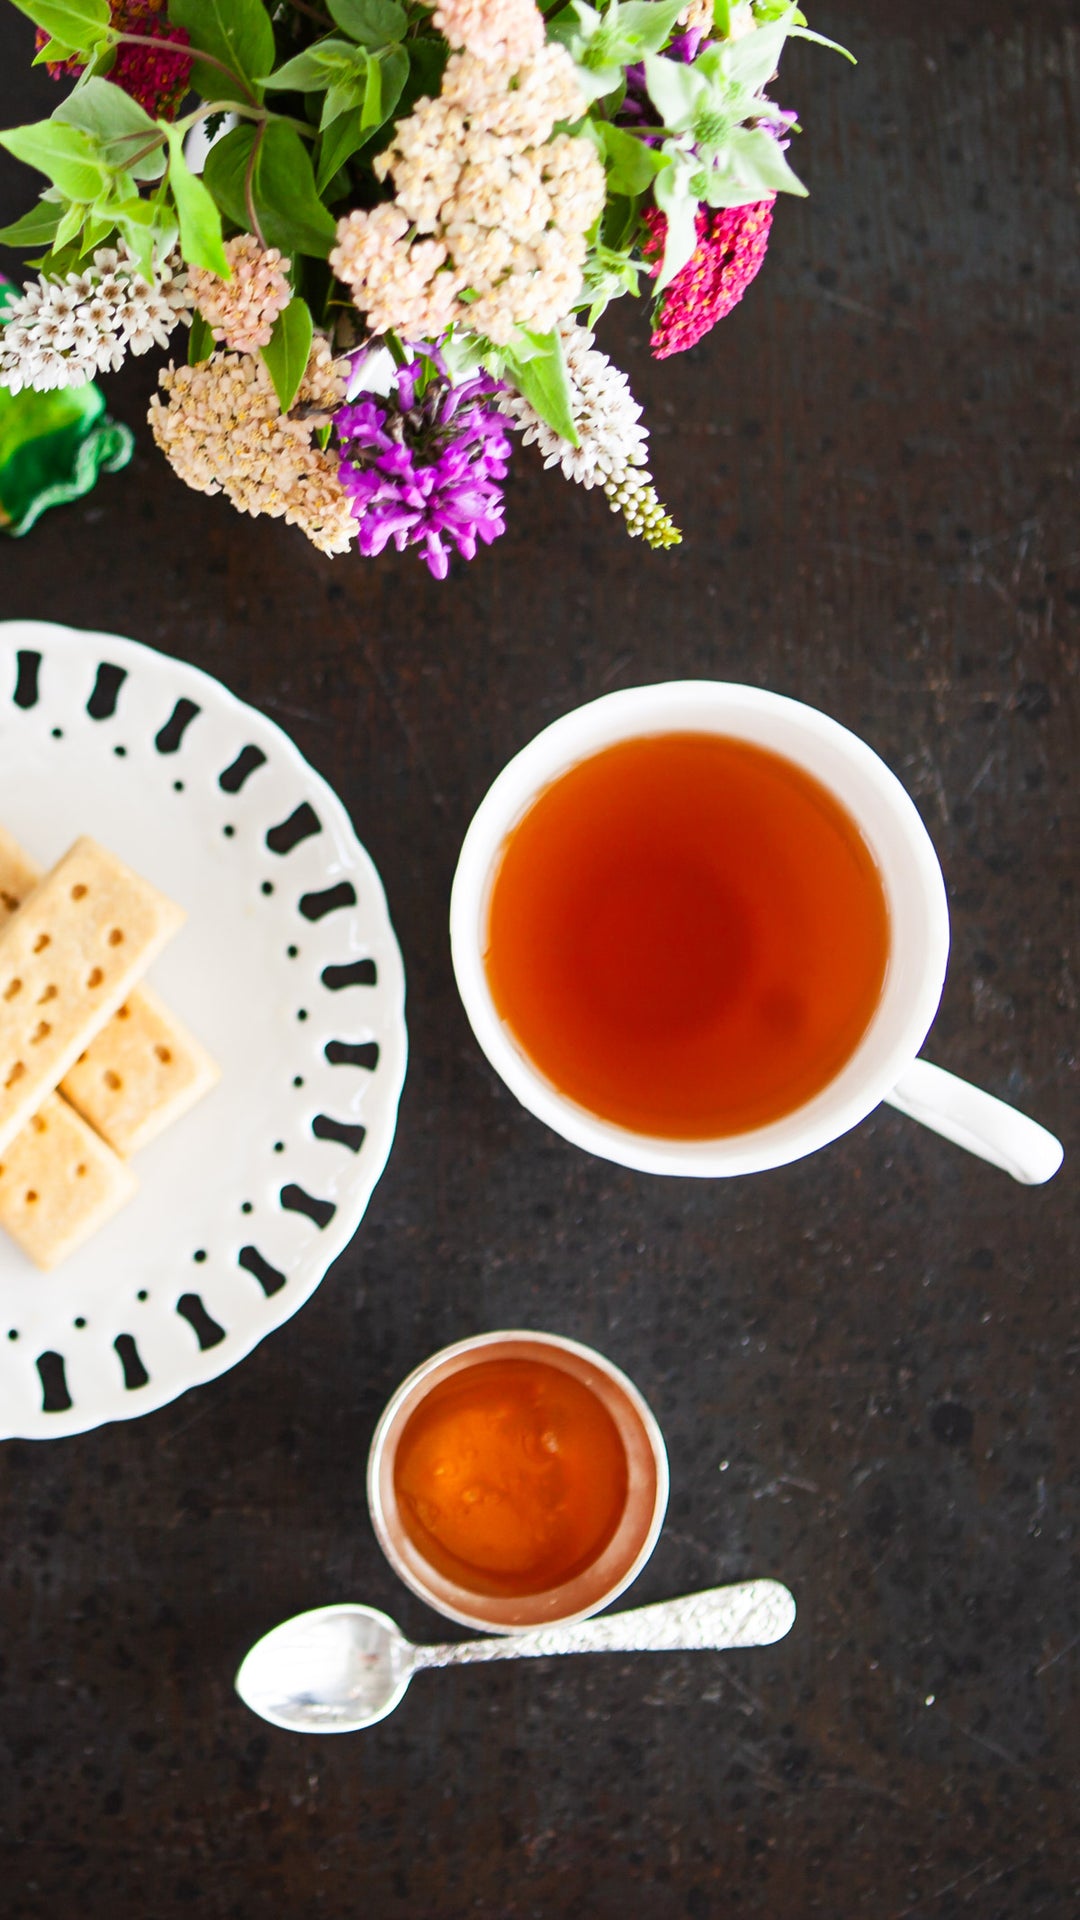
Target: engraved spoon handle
x=752, y=1614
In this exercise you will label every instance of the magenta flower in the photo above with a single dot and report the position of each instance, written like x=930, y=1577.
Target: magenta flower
x=422, y=465
x=732, y=243
x=157, y=78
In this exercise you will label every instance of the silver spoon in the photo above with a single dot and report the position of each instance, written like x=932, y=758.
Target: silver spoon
x=337, y=1669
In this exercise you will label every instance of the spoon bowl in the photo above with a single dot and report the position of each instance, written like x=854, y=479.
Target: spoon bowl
x=338, y=1669
x=333, y=1670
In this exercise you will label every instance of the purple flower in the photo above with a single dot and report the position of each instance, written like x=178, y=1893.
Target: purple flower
x=422, y=464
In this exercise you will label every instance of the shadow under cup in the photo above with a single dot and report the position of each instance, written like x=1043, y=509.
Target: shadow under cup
x=890, y=825
x=636, y=1531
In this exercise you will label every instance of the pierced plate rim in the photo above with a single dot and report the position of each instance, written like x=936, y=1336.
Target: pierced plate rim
x=182, y=678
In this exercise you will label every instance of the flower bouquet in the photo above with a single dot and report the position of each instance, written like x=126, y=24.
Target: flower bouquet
x=389, y=230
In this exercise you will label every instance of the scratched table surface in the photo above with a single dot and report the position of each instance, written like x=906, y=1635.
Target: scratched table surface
x=864, y=1364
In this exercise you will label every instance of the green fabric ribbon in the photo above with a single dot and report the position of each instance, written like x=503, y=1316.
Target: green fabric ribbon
x=53, y=446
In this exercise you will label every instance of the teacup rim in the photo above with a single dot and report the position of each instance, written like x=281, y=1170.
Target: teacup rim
x=636, y=712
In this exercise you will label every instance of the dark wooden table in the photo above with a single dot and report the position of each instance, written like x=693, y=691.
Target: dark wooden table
x=864, y=1364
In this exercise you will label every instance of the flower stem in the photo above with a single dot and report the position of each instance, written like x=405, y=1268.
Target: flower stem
x=249, y=177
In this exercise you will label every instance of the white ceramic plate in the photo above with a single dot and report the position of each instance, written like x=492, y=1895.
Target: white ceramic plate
x=287, y=968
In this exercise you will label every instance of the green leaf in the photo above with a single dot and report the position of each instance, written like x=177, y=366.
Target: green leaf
x=758, y=162
x=819, y=40
x=339, y=142
x=394, y=72
x=677, y=91
x=77, y=25
x=539, y=372
x=427, y=64
x=71, y=224
x=148, y=226
x=314, y=69
x=375, y=23
x=388, y=72
x=201, y=341
x=753, y=60
x=117, y=124
x=675, y=198
x=721, y=14
x=287, y=205
x=372, y=112
x=66, y=155
x=236, y=32
x=647, y=24
x=35, y=229
x=200, y=221
x=286, y=356
x=223, y=174
x=290, y=212
x=631, y=165
x=345, y=96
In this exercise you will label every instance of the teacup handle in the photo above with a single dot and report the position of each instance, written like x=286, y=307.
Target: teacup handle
x=975, y=1120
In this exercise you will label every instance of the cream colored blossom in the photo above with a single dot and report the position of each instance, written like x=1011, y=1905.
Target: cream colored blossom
x=487, y=203
x=222, y=430
x=495, y=30
x=319, y=506
x=697, y=17
x=520, y=101
x=242, y=311
x=395, y=283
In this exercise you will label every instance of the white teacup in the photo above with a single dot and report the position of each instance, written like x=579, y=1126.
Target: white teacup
x=885, y=1064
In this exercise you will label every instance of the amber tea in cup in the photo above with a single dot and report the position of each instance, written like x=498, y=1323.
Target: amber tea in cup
x=687, y=934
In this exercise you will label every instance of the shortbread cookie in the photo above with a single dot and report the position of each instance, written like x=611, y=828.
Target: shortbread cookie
x=69, y=958
x=59, y=1183
x=141, y=1073
x=145, y=1069
x=18, y=876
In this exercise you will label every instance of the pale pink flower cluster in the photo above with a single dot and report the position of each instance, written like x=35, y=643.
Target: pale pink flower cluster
x=241, y=311
x=504, y=30
x=223, y=431
x=486, y=204
x=60, y=333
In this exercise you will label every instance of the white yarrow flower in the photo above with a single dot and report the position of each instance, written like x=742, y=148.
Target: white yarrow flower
x=59, y=333
x=606, y=416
